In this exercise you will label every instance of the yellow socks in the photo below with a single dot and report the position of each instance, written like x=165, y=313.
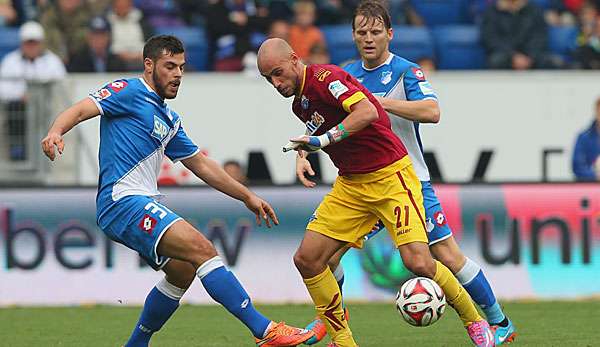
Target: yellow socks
x=456, y=295
x=325, y=293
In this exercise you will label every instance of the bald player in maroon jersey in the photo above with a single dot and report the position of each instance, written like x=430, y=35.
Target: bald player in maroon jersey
x=376, y=182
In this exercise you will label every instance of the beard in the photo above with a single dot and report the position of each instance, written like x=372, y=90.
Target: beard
x=161, y=89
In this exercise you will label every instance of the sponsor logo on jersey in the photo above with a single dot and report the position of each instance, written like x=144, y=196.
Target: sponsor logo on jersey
x=304, y=103
x=101, y=94
x=418, y=73
x=117, y=86
x=147, y=224
x=160, y=130
x=439, y=218
x=386, y=77
x=337, y=88
x=322, y=74
x=316, y=120
x=426, y=88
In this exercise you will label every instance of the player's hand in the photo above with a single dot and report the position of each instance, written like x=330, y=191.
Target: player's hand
x=49, y=142
x=262, y=210
x=303, y=166
x=310, y=143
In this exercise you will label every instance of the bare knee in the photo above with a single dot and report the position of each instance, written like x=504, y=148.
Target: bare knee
x=449, y=254
x=200, y=250
x=308, y=264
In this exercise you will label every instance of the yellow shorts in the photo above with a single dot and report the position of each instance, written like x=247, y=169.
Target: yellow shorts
x=391, y=194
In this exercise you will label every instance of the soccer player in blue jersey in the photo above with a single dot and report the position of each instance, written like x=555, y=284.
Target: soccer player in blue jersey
x=409, y=99
x=137, y=128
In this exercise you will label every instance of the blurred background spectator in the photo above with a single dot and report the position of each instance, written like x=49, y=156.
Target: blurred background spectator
x=303, y=32
x=65, y=23
x=8, y=14
x=161, y=13
x=96, y=55
x=586, y=155
x=235, y=170
x=514, y=34
x=129, y=32
x=230, y=25
x=280, y=28
x=588, y=42
x=318, y=54
x=31, y=62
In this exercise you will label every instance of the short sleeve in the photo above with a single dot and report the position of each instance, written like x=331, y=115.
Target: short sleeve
x=416, y=86
x=181, y=146
x=114, y=99
x=338, y=88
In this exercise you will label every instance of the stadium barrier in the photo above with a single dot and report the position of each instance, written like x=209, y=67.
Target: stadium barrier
x=517, y=116
x=533, y=240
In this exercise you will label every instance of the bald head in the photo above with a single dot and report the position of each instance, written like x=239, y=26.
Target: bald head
x=279, y=64
x=273, y=50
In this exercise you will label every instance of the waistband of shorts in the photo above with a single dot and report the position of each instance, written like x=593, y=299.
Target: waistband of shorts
x=379, y=174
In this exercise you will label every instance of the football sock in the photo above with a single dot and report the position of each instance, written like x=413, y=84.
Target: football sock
x=456, y=296
x=473, y=280
x=326, y=296
x=339, y=276
x=224, y=288
x=160, y=304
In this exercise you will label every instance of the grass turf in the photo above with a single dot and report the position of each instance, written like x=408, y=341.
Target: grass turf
x=568, y=323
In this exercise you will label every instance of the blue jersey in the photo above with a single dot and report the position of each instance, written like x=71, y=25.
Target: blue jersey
x=137, y=128
x=400, y=79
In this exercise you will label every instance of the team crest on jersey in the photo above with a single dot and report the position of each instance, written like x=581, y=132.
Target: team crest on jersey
x=386, y=77
x=160, y=130
x=360, y=80
x=316, y=120
x=337, y=88
x=304, y=102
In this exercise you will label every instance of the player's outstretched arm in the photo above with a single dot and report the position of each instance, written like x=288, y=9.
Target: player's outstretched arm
x=422, y=111
x=211, y=172
x=77, y=113
x=362, y=114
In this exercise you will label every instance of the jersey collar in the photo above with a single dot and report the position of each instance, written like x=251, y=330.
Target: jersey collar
x=386, y=62
x=303, y=81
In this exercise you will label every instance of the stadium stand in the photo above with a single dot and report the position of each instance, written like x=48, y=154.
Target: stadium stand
x=442, y=12
x=562, y=40
x=9, y=40
x=458, y=47
x=412, y=43
x=195, y=42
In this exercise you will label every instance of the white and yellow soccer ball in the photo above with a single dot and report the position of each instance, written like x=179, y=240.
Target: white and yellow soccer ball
x=420, y=301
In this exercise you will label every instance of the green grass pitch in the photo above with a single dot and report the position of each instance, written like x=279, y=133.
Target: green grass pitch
x=566, y=323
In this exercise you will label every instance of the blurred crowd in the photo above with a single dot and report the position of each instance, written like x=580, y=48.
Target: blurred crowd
x=107, y=35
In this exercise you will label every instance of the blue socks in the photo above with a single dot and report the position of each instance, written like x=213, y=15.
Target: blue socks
x=160, y=304
x=473, y=280
x=225, y=289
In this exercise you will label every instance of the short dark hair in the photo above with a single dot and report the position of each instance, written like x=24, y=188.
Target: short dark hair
x=373, y=9
x=156, y=46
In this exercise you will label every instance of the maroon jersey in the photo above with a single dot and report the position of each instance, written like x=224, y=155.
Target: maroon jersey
x=324, y=102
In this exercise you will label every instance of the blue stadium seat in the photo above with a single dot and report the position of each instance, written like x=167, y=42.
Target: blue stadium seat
x=441, y=12
x=458, y=47
x=9, y=40
x=339, y=43
x=412, y=43
x=196, y=44
x=562, y=40
x=544, y=4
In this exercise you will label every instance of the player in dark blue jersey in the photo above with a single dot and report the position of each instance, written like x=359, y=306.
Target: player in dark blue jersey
x=137, y=128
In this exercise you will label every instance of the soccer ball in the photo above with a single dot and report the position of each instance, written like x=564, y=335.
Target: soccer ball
x=420, y=301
